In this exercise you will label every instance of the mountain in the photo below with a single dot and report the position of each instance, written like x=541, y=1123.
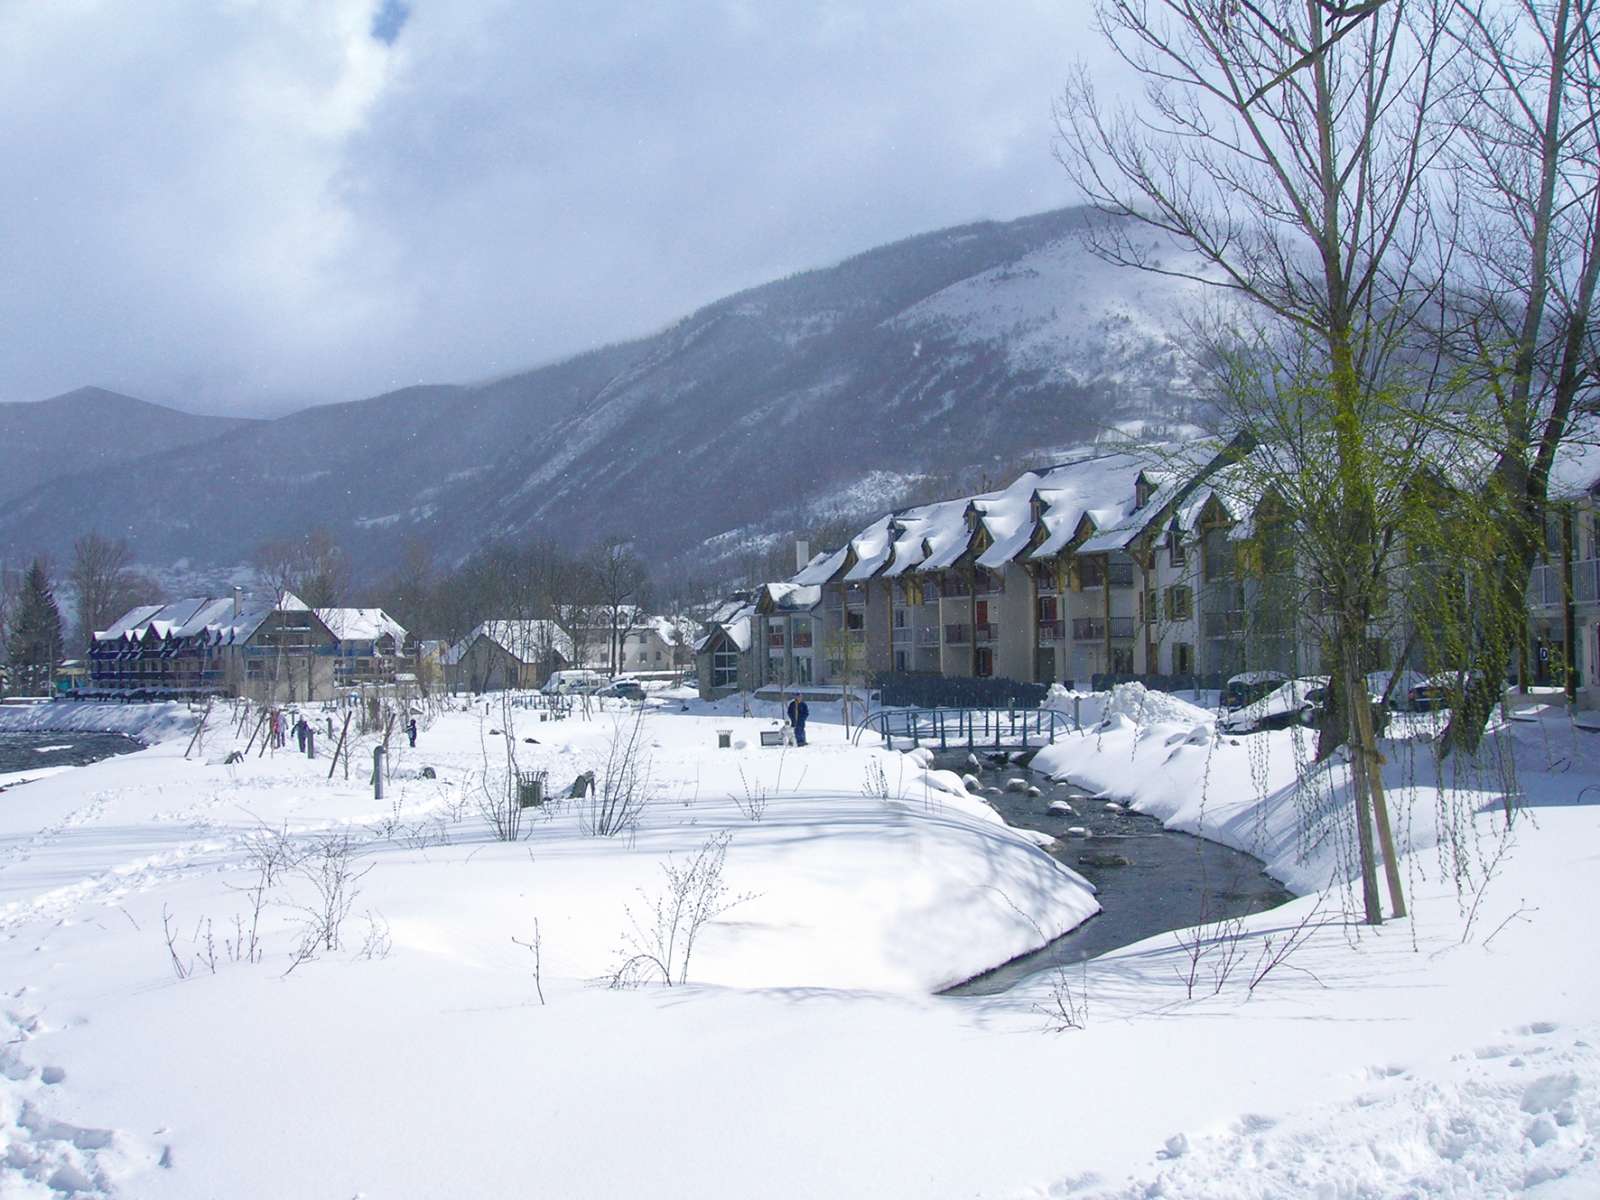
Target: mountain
x=834, y=390
x=89, y=430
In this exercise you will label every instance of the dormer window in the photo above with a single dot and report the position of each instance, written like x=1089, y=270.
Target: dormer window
x=1143, y=489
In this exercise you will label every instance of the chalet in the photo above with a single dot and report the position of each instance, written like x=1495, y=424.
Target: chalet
x=271, y=649
x=501, y=655
x=372, y=646
x=723, y=654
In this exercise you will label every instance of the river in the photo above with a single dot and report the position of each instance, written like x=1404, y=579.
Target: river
x=23, y=752
x=1150, y=879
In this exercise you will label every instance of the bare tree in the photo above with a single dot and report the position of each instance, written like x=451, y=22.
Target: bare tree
x=103, y=583
x=1527, y=164
x=1282, y=158
x=619, y=581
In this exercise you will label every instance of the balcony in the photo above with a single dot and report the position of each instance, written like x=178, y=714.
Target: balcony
x=958, y=635
x=986, y=633
x=927, y=635
x=1093, y=629
x=903, y=635
x=1120, y=574
x=802, y=639
x=775, y=639
x=1049, y=632
x=1222, y=624
x=1544, y=587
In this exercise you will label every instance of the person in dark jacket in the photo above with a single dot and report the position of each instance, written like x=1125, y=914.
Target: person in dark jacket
x=301, y=729
x=798, y=711
x=411, y=732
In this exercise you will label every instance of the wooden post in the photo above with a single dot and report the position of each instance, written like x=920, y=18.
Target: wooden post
x=340, y=747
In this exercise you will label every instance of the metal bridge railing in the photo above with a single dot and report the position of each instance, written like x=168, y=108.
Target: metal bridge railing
x=998, y=728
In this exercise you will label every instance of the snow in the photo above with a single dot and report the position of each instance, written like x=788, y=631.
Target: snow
x=1449, y=1054
x=146, y=722
x=1065, y=313
x=361, y=624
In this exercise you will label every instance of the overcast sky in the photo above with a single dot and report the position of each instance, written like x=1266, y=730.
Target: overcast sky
x=237, y=206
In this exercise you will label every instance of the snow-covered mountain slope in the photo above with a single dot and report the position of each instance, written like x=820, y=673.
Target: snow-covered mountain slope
x=958, y=351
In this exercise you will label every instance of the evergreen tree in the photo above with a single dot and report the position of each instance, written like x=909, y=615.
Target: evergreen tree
x=34, y=644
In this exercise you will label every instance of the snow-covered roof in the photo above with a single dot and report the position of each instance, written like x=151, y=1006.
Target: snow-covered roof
x=361, y=624
x=790, y=597
x=525, y=641
x=822, y=567
x=212, y=616
x=733, y=617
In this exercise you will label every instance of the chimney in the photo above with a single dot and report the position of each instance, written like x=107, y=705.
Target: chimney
x=238, y=602
x=802, y=554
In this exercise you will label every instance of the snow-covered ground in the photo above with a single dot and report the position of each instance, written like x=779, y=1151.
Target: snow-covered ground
x=1451, y=1054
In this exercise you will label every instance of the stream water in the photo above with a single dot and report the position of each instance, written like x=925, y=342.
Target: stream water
x=22, y=752
x=1150, y=879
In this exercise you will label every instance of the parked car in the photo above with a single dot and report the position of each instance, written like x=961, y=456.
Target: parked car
x=1435, y=692
x=563, y=683
x=1249, y=686
x=1296, y=702
x=627, y=689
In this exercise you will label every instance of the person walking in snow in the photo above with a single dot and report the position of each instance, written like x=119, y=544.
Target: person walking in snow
x=798, y=711
x=301, y=731
x=411, y=732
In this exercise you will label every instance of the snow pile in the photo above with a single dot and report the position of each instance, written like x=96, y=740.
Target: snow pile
x=1139, y=704
x=1142, y=705
x=147, y=722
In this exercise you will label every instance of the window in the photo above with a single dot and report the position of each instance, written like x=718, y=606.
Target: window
x=1183, y=659
x=1047, y=609
x=725, y=669
x=1216, y=552
x=1147, y=606
x=1122, y=660
x=855, y=619
x=802, y=669
x=984, y=665
x=1180, y=602
x=1177, y=552
x=1091, y=572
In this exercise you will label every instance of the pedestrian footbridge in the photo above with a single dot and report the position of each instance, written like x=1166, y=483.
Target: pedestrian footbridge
x=970, y=728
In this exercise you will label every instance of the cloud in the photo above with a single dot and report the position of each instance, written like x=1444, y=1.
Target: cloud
x=251, y=205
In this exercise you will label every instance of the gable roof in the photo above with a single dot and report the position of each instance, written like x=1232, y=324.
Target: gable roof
x=529, y=642
x=211, y=616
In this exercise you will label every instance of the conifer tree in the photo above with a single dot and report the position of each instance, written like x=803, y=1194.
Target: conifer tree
x=34, y=643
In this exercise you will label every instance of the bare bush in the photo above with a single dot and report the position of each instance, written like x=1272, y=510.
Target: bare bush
x=622, y=785
x=753, y=803
x=378, y=940
x=181, y=967
x=499, y=793
x=535, y=947
x=331, y=868
x=1067, y=1007
x=876, y=786
x=661, y=943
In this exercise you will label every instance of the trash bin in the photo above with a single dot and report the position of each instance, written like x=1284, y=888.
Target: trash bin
x=724, y=739
x=530, y=790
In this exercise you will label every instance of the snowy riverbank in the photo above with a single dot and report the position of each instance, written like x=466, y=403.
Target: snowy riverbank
x=148, y=722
